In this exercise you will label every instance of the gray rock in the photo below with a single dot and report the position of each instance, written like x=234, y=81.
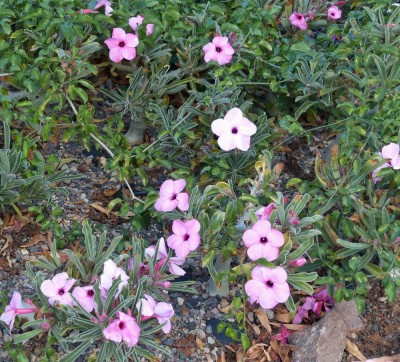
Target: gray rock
x=349, y=313
x=323, y=341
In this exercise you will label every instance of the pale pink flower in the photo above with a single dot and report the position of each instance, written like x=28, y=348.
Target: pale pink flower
x=391, y=153
x=234, y=130
x=263, y=241
x=149, y=29
x=161, y=310
x=265, y=212
x=57, y=289
x=298, y=20
x=186, y=237
x=112, y=272
x=171, y=196
x=298, y=262
x=122, y=45
x=219, y=50
x=334, y=13
x=268, y=286
x=123, y=329
x=107, y=6
x=14, y=309
x=85, y=297
x=173, y=262
x=135, y=22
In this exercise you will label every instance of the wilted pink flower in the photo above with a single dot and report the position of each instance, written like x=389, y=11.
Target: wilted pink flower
x=334, y=13
x=322, y=300
x=298, y=262
x=14, y=309
x=171, y=196
x=57, y=289
x=151, y=309
x=302, y=311
x=122, y=45
x=263, y=241
x=298, y=20
x=283, y=335
x=112, y=272
x=106, y=4
x=85, y=297
x=293, y=218
x=268, y=286
x=173, y=262
x=149, y=29
x=135, y=22
x=219, y=50
x=265, y=212
x=185, y=238
x=234, y=130
x=123, y=329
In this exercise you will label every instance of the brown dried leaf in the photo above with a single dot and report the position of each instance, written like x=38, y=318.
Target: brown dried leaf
x=353, y=350
x=293, y=327
x=110, y=192
x=222, y=357
x=262, y=317
x=283, y=317
x=395, y=358
x=100, y=208
x=256, y=353
x=199, y=343
x=255, y=327
x=209, y=359
x=36, y=239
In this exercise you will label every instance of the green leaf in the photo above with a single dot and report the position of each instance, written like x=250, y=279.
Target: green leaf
x=246, y=344
x=229, y=27
x=303, y=277
x=28, y=335
x=300, y=285
x=73, y=355
x=353, y=246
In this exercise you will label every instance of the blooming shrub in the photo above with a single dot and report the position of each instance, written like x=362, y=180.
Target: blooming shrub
x=227, y=91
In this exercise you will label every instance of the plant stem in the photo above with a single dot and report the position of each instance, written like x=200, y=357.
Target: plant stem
x=105, y=147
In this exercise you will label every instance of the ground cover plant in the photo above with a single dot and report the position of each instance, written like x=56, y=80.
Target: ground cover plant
x=207, y=98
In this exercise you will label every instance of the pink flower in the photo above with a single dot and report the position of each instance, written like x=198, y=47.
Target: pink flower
x=106, y=4
x=57, y=289
x=171, y=196
x=265, y=212
x=298, y=262
x=112, y=272
x=268, y=286
x=135, y=22
x=173, y=262
x=234, y=131
x=391, y=153
x=185, y=238
x=263, y=241
x=149, y=29
x=322, y=300
x=122, y=45
x=162, y=311
x=334, y=13
x=85, y=297
x=219, y=50
x=298, y=20
x=123, y=329
x=14, y=309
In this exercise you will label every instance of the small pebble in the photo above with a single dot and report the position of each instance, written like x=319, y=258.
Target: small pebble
x=180, y=301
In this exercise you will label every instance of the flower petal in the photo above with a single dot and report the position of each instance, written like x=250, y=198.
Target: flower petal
x=220, y=126
x=275, y=238
x=226, y=141
x=262, y=228
x=119, y=34
x=116, y=55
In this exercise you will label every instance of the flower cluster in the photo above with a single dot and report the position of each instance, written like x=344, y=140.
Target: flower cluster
x=299, y=20
x=123, y=45
x=124, y=328
x=186, y=235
